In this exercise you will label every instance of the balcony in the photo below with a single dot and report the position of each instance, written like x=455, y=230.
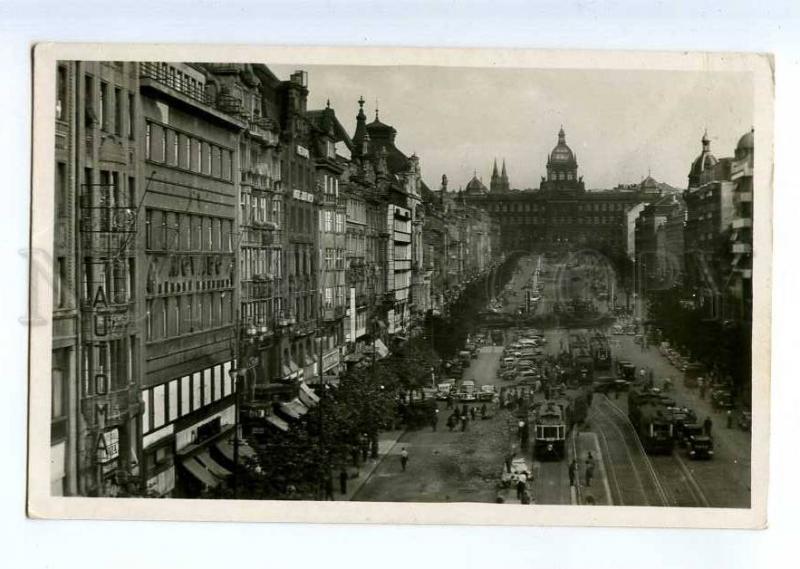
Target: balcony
x=333, y=314
x=266, y=130
x=742, y=223
x=154, y=76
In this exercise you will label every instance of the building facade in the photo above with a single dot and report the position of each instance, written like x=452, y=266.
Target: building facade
x=561, y=212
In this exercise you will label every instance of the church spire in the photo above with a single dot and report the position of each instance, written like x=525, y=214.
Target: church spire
x=494, y=170
x=504, y=175
x=361, y=136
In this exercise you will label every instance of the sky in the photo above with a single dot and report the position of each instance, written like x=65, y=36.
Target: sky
x=621, y=124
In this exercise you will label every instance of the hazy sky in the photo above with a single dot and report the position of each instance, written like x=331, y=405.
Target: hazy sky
x=620, y=123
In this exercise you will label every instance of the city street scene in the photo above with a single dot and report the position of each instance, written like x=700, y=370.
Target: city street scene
x=402, y=284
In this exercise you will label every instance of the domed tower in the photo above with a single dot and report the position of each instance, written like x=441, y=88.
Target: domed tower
x=562, y=167
x=475, y=187
x=706, y=161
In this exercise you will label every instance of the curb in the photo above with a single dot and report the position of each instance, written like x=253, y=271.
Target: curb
x=362, y=480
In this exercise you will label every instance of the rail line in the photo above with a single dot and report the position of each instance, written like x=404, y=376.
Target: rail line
x=677, y=485
x=633, y=476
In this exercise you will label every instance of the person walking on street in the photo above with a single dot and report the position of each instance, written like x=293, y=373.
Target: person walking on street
x=729, y=418
x=707, y=424
x=589, y=472
x=483, y=411
x=521, y=480
x=343, y=481
x=451, y=422
x=472, y=413
x=434, y=421
x=403, y=458
x=702, y=385
x=573, y=471
x=464, y=420
x=509, y=458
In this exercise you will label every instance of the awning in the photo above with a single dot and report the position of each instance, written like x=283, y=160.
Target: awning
x=199, y=471
x=226, y=448
x=307, y=395
x=383, y=351
x=294, y=408
x=290, y=370
x=212, y=465
x=277, y=422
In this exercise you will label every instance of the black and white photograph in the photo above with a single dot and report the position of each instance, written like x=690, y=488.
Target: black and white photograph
x=539, y=286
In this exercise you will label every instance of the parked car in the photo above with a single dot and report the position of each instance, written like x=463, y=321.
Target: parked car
x=745, y=420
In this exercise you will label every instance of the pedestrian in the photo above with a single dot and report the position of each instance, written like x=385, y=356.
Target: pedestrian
x=509, y=458
x=449, y=402
x=729, y=418
x=403, y=458
x=343, y=481
x=520, y=428
x=464, y=420
x=521, y=480
x=451, y=423
x=707, y=424
x=329, y=487
x=472, y=413
x=701, y=383
x=589, y=472
x=573, y=471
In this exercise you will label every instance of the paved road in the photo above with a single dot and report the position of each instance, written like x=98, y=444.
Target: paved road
x=725, y=480
x=446, y=466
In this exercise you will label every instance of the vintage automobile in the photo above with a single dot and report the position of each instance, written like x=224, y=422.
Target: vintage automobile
x=487, y=393
x=466, y=391
x=745, y=420
x=444, y=390
x=699, y=446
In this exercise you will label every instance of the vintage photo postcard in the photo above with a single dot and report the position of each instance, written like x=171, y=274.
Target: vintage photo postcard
x=400, y=285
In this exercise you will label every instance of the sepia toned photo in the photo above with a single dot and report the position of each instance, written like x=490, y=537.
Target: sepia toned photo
x=442, y=286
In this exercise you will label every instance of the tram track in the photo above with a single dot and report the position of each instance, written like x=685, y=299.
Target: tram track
x=632, y=474
x=676, y=485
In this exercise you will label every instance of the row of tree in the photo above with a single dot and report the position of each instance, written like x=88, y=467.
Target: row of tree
x=723, y=346
x=342, y=429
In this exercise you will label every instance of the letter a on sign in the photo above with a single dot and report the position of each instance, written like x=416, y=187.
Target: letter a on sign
x=100, y=297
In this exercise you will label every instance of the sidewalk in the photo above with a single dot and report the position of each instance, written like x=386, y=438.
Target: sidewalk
x=359, y=476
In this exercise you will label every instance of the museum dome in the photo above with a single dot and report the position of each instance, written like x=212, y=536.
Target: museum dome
x=562, y=154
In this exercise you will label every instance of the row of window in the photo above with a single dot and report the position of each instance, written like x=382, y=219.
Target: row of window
x=109, y=106
x=402, y=252
x=167, y=402
x=527, y=207
x=561, y=175
x=335, y=296
x=168, y=146
x=173, y=231
x=596, y=220
x=334, y=259
x=260, y=208
x=332, y=222
x=261, y=261
x=356, y=245
x=262, y=312
x=172, y=316
x=356, y=211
